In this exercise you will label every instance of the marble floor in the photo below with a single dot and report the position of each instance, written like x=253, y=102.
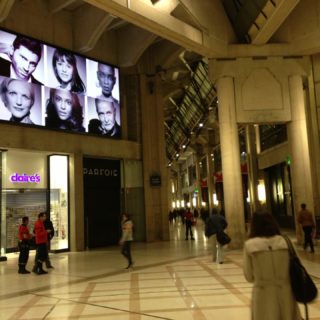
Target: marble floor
x=170, y=280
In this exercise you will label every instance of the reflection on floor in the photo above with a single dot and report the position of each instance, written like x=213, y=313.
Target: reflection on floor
x=170, y=280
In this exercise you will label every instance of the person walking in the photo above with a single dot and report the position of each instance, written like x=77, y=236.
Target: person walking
x=266, y=264
x=188, y=217
x=126, y=238
x=305, y=218
x=24, y=245
x=214, y=224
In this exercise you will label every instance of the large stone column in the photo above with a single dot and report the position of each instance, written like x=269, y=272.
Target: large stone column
x=299, y=146
x=230, y=155
x=154, y=159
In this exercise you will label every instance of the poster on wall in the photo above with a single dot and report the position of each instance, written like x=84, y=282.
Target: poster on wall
x=46, y=86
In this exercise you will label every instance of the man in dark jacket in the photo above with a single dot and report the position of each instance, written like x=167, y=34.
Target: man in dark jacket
x=214, y=224
x=49, y=226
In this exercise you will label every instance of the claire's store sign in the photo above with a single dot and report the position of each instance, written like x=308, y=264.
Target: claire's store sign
x=24, y=178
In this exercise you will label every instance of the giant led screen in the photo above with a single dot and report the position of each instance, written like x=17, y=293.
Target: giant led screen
x=51, y=87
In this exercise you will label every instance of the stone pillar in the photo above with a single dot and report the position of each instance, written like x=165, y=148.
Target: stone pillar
x=230, y=156
x=77, y=234
x=154, y=159
x=252, y=167
x=299, y=146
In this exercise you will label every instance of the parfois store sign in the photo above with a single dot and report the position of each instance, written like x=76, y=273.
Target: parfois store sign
x=24, y=178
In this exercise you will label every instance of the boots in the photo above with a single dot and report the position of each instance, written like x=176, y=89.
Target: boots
x=48, y=264
x=39, y=270
x=22, y=269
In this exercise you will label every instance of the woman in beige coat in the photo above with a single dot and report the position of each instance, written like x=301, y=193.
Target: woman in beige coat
x=266, y=264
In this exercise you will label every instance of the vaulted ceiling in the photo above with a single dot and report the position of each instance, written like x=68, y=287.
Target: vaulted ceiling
x=185, y=34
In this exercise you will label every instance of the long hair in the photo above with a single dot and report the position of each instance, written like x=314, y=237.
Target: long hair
x=76, y=118
x=77, y=84
x=263, y=224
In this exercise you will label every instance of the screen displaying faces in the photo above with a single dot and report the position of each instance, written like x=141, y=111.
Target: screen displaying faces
x=55, y=88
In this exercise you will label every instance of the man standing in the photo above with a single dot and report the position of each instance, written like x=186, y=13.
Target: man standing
x=48, y=226
x=41, y=235
x=305, y=218
x=24, y=238
x=107, y=124
x=24, y=55
x=189, y=220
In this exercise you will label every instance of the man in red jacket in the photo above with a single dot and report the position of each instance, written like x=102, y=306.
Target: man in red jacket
x=41, y=235
x=189, y=220
x=24, y=246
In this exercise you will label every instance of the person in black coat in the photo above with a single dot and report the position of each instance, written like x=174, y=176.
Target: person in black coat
x=48, y=226
x=214, y=224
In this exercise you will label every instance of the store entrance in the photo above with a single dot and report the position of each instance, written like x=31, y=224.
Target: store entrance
x=101, y=202
x=102, y=211
x=279, y=193
x=20, y=203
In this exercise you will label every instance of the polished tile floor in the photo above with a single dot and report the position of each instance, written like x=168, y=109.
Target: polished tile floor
x=170, y=280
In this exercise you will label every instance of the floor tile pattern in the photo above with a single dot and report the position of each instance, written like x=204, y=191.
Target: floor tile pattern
x=174, y=280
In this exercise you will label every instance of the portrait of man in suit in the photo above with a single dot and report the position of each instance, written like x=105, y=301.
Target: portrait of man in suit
x=106, y=124
x=24, y=55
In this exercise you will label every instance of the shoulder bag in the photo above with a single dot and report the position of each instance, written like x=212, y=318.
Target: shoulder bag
x=303, y=287
x=223, y=238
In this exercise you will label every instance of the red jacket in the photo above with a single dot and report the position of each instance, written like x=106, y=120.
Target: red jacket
x=40, y=232
x=24, y=233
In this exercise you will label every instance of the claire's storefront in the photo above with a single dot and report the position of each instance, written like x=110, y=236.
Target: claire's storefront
x=32, y=182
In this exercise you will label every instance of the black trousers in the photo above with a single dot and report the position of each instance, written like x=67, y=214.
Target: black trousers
x=308, y=237
x=24, y=252
x=189, y=229
x=42, y=252
x=48, y=262
x=126, y=251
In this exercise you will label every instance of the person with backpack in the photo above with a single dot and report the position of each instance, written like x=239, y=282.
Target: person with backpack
x=215, y=225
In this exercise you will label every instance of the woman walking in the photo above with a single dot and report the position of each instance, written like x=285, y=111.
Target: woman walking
x=266, y=265
x=126, y=239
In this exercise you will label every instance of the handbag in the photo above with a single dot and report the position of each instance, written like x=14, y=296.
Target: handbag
x=223, y=238
x=303, y=287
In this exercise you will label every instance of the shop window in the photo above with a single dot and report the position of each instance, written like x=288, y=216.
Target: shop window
x=59, y=201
